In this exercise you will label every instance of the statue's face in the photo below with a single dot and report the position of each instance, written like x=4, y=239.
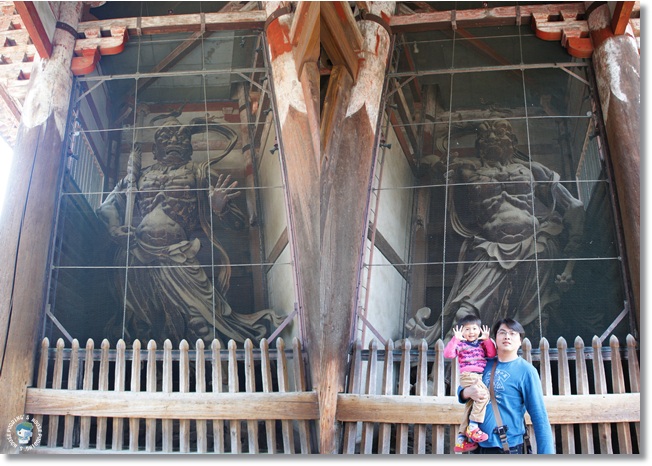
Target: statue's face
x=495, y=140
x=172, y=145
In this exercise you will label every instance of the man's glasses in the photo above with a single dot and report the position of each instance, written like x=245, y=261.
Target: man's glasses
x=504, y=333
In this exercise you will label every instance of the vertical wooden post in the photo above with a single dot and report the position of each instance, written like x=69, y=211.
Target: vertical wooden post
x=301, y=169
x=28, y=217
x=344, y=223
x=617, y=67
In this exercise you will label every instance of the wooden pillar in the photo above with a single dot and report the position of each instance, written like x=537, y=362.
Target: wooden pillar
x=301, y=168
x=617, y=68
x=350, y=159
x=28, y=218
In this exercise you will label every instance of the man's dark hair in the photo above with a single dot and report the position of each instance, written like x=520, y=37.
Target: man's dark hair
x=510, y=324
x=469, y=319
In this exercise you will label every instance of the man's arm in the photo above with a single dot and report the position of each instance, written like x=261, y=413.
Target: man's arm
x=535, y=406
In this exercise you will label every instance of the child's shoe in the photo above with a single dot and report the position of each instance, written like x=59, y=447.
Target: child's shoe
x=476, y=435
x=462, y=444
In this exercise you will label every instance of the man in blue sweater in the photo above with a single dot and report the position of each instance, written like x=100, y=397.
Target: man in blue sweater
x=517, y=388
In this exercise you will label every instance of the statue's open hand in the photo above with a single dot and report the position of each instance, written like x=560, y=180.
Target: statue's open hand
x=222, y=193
x=564, y=281
x=457, y=332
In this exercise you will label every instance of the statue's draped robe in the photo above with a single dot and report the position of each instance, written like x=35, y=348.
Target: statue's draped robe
x=168, y=294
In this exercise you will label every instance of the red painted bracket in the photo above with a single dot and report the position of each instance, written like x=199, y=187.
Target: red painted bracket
x=86, y=63
x=89, y=50
x=567, y=28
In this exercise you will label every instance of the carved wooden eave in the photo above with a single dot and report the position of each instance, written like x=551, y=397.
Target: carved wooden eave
x=337, y=31
x=565, y=22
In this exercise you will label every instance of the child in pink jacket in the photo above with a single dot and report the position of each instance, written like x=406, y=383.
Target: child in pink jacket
x=472, y=346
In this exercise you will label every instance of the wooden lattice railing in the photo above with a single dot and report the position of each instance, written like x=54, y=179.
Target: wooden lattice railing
x=119, y=400
x=403, y=409
x=194, y=400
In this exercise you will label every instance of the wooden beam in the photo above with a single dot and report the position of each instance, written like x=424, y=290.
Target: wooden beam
x=34, y=25
x=173, y=405
x=499, y=16
x=336, y=101
x=340, y=36
x=406, y=116
x=390, y=254
x=278, y=248
x=620, y=18
x=403, y=142
x=150, y=25
x=304, y=34
x=338, y=95
x=562, y=409
x=11, y=104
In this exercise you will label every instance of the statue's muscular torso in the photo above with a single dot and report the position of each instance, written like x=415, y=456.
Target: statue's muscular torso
x=500, y=198
x=167, y=200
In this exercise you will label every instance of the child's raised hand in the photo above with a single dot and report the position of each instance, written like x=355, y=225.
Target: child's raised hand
x=485, y=332
x=457, y=331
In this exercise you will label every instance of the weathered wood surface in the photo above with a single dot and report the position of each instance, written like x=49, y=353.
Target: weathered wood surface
x=175, y=398
x=399, y=411
x=412, y=409
x=481, y=17
x=149, y=25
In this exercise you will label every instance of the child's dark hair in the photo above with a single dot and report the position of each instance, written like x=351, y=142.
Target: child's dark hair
x=510, y=324
x=469, y=319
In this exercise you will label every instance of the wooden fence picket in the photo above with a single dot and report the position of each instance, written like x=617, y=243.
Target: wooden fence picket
x=582, y=383
x=103, y=385
x=42, y=375
x=200, y=387
x=216, y=380
x=184, y=387
x=134, y=423
x=634, y=377
x=604, y=429
x=73, y=374
x=120, y=373
x=53, y=428
x=439, y=389
x=384, y=429
x=563, y=371
x=283, y=387
x=166, y=387
x=618, y=386
x=150, y=424
x=266, y=376
x=351, y=428
x=366, y=443
x=85, y=421
x=234, y=384
x=300, y=386
x=421, y=390
x=250, y=387
x=402, y=429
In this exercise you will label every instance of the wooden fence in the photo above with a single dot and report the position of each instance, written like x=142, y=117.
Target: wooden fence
x=406, y=408
x=397, y=400
x=94, y=401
